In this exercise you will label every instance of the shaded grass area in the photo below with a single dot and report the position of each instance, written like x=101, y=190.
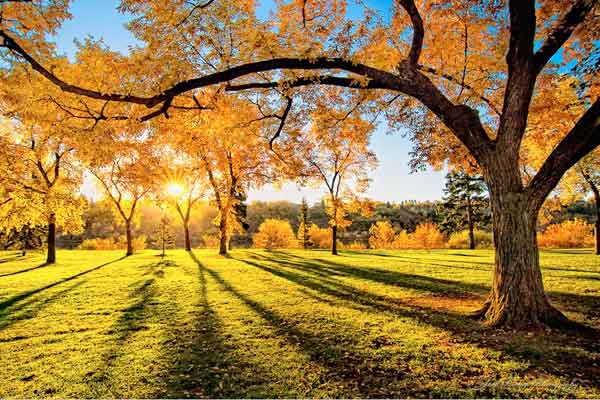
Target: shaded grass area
x=285, y=324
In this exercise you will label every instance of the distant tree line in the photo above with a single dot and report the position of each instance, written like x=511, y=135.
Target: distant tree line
x=100, y=222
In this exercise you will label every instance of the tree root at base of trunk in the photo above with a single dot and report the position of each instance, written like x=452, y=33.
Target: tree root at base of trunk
x=549, y=316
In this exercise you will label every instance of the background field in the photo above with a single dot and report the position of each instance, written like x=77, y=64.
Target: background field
x=285, y=324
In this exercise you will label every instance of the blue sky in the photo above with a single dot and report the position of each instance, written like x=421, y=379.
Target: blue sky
x=391, y=180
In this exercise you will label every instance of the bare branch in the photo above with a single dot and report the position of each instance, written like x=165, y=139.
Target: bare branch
x=286, y=111
x=196, y=7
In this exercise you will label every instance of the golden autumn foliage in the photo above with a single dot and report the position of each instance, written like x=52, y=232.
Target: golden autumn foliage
x=460, y=240
x=319, y=237
x=426, y=236
x=381, y=235
x=568, y=234
x=356, y=245
x=274, y=234
x=472, y=79
x=117, y=243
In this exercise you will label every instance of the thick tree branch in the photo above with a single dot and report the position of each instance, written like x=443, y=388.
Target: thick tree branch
x=307, y=81
x=522, y=32
x=562, y=32
x=521, y=77
x=418, y=30
x=583, y=138
x=462, y=120
x=203, y=81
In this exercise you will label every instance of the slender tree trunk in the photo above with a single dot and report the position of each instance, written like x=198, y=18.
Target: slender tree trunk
x=51, y=256
x=129, y=239
x=517, y=298
x=223, y=234
x=334, y=240
x=163, y=240
x=186, y=233
x=470, y=223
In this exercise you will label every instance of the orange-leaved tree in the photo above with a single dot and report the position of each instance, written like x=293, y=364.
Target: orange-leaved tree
x=335, y=151
x=126, y=171
x=482, y=47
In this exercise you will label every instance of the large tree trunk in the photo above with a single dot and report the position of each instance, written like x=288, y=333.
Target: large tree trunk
x=51, y=256
x=597, y=227
x=470, y=223
x=223, y=234
x=517, y=298
x=129, y=239
x=186, y=233
x=334, y=240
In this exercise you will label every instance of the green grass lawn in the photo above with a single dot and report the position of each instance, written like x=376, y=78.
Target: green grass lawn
x=285, y=324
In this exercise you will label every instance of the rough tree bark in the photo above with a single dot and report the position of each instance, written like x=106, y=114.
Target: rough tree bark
x=517, y=297
x=51, y=254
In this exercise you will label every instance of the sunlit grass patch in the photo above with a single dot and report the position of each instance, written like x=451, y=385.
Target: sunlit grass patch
x=284, y=324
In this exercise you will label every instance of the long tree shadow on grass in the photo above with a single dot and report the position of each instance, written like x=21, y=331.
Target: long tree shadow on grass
x=571, y=354
x=11, y=307
x=486, y=265
x=24, y=270
x=30, y=308
x=132, y=319
x=326, y=268
x=336, y=350
x=12, y=257
x=587, y=305
x=203, y=362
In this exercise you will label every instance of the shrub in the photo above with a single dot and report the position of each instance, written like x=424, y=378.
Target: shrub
x=460, y=240
x=98, y=244
x=319, y=237
x=568, y=234
x=274, y=233
x=356, y=245
x=403, y=241
x=426, y=236
x=117, y=243
x=381, y=235
x=210, y=241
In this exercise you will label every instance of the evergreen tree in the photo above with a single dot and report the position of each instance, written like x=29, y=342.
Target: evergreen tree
x=240, y=209
x=239, y=213
x=465, y=204
x=303, y=225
